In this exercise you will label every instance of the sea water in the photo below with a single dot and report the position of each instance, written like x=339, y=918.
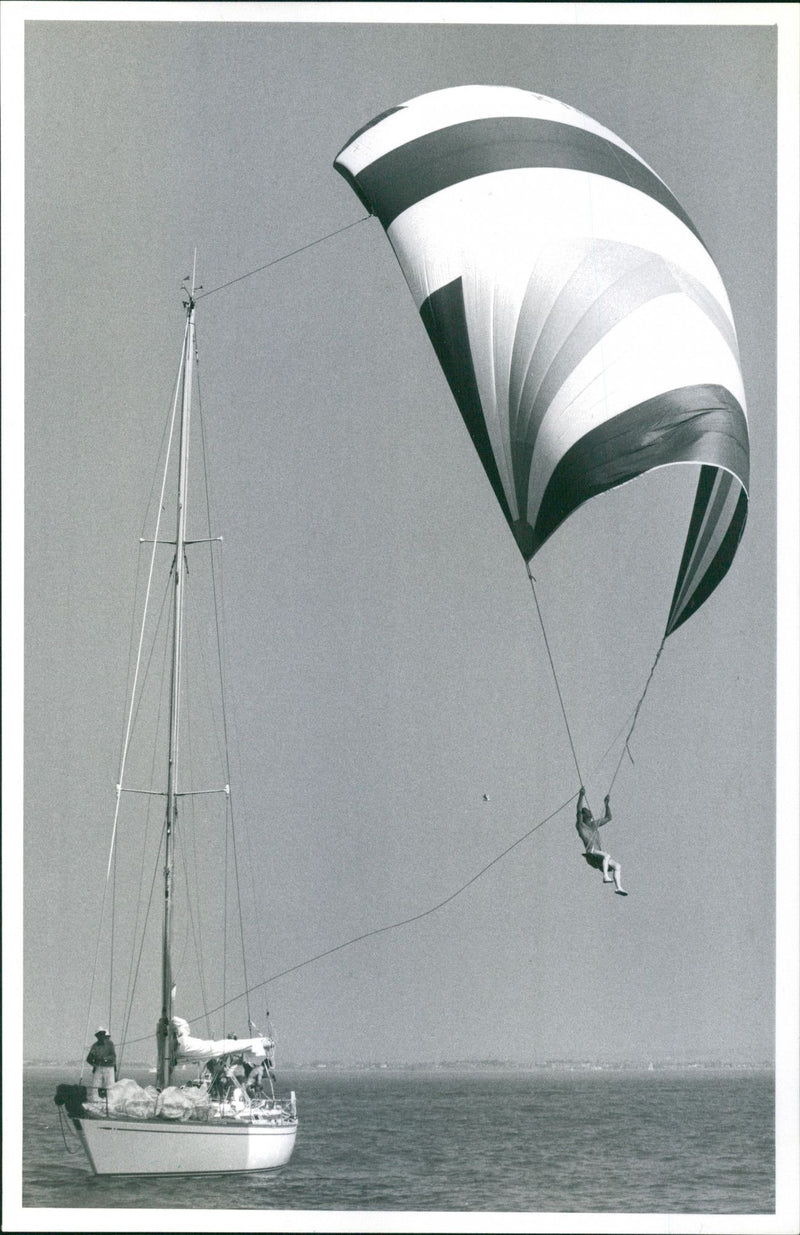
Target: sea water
x=608, y=1140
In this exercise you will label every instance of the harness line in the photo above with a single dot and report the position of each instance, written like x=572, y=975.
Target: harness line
x=380, y=930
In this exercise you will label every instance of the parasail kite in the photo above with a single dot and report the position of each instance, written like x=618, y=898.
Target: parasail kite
x=579, y=318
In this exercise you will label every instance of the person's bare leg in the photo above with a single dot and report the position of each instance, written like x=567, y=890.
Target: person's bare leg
x=616, y=871
x=606, y=861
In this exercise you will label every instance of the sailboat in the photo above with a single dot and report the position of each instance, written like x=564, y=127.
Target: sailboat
x=214, y=1108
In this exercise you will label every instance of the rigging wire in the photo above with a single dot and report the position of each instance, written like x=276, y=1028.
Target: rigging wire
x=173, y=418
x=165, y=437
x=166, y=602
x=555, y=675
x=217, y=595
x=190, y=833
x=615, y=739
x=131, y=972
x=392, y=926
x=141, y=949
x=195, y=921
x=380, y=930
x=282, y=258
x=129, y=1010
x=626, y=748
x=143, y=915
x=126, y=740
x=112, y=943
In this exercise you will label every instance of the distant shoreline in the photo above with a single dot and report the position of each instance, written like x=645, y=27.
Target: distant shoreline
x=460, y=1066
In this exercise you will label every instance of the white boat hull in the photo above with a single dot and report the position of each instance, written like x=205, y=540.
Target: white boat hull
x=159, y=1147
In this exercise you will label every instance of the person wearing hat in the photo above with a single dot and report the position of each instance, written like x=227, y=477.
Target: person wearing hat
x=103, y=1058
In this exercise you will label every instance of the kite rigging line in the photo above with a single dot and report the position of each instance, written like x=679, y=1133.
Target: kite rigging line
x=282, y=258
x=625, y=745
x=381, y=930
x=625, y=748
x=555, y=675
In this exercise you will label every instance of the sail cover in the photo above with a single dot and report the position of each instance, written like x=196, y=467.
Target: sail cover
x=579, y=319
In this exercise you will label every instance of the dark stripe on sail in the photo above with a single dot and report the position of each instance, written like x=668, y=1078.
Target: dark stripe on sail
x=610, y=285
x=700, y=545
x=717, y=570
x=702, y=497
x=348, y=175
x=435, y=161
x=702, y=424
x=445, y=320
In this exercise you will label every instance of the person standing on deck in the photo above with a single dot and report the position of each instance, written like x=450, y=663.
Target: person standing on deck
x=103, y=1058
x=589, y=831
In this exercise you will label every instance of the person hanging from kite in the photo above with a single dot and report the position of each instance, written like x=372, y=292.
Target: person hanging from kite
x=589, y=831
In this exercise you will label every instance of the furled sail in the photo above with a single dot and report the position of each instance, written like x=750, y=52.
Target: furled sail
x=579, y=319
x=254, y=1050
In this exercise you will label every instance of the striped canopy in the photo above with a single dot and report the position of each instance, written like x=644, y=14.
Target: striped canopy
x=581, y=323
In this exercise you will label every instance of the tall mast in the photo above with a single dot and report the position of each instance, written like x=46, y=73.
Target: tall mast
x=164, y=1064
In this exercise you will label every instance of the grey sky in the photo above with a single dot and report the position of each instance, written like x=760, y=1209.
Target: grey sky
x=388, y=666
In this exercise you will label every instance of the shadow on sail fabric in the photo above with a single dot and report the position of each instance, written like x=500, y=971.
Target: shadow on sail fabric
x=579, y=319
